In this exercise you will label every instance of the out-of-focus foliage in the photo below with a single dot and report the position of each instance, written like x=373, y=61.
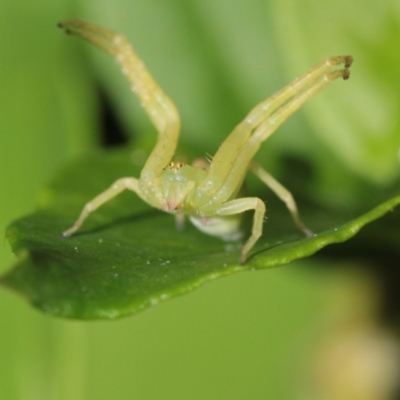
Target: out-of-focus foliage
x=362, y=124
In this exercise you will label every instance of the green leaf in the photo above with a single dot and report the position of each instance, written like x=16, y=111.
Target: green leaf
x=128, y=256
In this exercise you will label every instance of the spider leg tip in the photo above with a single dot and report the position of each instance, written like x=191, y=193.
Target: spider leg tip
x=346, y=74
x=62, y=25
x=348, y=60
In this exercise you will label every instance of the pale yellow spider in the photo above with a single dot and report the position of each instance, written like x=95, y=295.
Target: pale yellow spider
x=206, y=192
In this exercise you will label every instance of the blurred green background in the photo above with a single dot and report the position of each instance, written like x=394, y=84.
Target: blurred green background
x=309, y=330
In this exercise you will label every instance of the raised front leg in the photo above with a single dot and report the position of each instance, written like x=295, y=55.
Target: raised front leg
x=158, y=106
x=268, y=116
x=239, y=206
x=232, y=145
x=116, y=188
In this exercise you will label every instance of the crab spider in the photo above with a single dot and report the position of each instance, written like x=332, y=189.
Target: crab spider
x=205, y=192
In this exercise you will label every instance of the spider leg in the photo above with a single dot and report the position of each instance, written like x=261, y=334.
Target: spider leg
x=258, y=114
x=278, y=109
x=238, y=206
x=116, y=188
x=282, y=193
x=157, y=105
x=179, y=222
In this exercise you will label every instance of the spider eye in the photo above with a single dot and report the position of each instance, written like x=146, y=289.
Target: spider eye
x=175, y=167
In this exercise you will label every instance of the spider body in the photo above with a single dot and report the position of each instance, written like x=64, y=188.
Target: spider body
x=208, y=193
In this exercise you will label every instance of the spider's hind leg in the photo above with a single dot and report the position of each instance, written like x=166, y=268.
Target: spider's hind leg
x=282, y=193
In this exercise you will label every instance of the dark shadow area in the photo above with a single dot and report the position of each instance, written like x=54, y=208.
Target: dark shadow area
x=377, y=248
x=112, y=133
x=125, y=220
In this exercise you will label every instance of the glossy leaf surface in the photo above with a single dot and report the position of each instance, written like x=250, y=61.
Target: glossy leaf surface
x=128, y=257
